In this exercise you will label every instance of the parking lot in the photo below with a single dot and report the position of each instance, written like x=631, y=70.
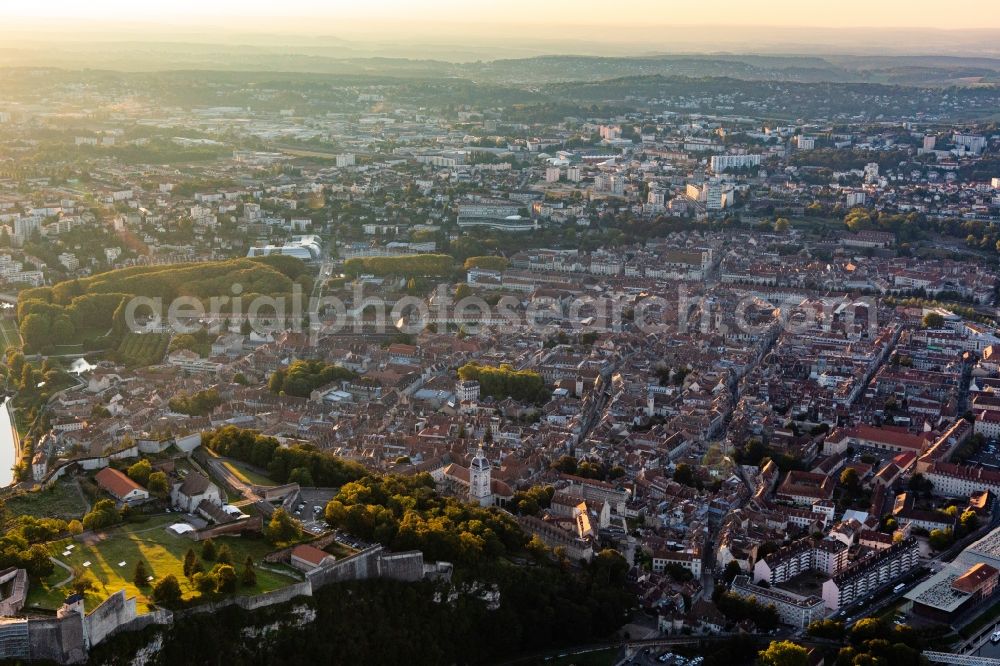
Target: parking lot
x=880, y=456
x=308, y=509
x=346, y=539
x=657, y=656
x=988, y=456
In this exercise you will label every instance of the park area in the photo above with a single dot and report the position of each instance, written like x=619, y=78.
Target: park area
x=111, y=559
x=63, y=499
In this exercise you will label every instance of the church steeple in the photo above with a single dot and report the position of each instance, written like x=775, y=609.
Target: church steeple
x=480, y=481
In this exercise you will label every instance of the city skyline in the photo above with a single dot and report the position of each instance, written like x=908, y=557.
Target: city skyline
x=437, y=332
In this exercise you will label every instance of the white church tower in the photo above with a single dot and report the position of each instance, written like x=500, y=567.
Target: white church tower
x=480, y=486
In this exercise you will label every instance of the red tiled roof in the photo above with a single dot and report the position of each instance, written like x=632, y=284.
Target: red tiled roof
x=807, y=484
x=115, y=482
x=310, y=554
x=897, y=438
x=973, y=579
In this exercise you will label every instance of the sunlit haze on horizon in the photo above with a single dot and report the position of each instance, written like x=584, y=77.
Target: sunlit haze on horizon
x=961, y=14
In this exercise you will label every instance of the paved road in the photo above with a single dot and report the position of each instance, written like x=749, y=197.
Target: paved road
x=988, y=649
x=63, y=565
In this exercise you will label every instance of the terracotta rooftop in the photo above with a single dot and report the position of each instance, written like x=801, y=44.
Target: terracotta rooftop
x=310, y=554
x=973, y=579
x=115, y=482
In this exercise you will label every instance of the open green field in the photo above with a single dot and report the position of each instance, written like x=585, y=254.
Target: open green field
x=163, y=553
x=247, y=475
x=62, y=500
x=9, y=335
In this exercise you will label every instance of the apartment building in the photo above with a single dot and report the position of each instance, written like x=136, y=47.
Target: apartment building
x=827, y=556
x=864, y=577
x=793, y=609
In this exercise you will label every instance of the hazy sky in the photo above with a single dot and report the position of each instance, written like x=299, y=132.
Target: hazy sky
x=953, y=14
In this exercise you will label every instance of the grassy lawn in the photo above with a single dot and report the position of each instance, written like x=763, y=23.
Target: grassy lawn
x=247, y=475
x=62, y=500
x=9, y=336
x=163, y=553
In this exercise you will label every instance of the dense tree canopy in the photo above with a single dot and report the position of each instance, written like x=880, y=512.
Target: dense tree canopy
x=301, y=378
x=325, y=469
x=506, y=382
x=410, y=265
x=489, y=262
x=407, y=513
x=195, y=404
x=54, y=315
x=784, y=653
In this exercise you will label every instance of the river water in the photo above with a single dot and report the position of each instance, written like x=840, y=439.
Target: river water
x=8, y=448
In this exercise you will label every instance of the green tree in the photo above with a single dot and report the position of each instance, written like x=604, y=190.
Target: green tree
x=731, y=571
x=226, y=576
x=609, y=567
x=208, y=551
x=157, y=484
x=281, y=528
x=830, y=629
x=36, y=330
x=488, y=262
x=921, y=485
x=83, y=582
x=849, y=479
x=205, y=583
x=868, y=629
x=968, y=521
x=684, y=475
x=301, y=476
x=140, y=471
x=678, y=572
x=940, y=539
x=504, y=381
x=565, y=464
x=103, y=514
x=190, y=561
x=225, y=555
x=784, y=653
x=167, y=591
x=933, y=320
x=249, y=575
x=140, y=575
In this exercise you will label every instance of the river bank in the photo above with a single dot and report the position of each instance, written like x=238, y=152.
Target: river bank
x=10, y=444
